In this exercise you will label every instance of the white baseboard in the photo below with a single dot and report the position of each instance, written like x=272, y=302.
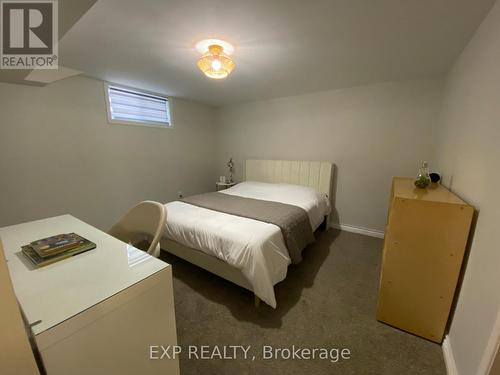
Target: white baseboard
x=492, y=348
x=359, y=230
x=449, y=359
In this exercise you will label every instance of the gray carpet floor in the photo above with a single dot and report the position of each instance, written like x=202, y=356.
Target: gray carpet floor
x=327, y=301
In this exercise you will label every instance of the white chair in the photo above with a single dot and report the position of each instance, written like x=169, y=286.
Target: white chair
x=145, y=221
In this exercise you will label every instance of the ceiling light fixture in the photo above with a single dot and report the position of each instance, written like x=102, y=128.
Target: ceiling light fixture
x=215, y=62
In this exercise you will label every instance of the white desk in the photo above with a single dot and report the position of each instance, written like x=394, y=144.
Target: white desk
x=99, y=311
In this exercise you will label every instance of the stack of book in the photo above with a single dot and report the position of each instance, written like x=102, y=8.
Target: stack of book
x=52, y=249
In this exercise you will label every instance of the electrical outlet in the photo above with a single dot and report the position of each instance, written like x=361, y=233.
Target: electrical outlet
x=180, y=194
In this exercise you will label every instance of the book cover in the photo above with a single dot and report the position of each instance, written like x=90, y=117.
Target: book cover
x=57, y=244
x=39, y=261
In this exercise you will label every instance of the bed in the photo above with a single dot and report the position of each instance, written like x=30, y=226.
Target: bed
x=251, y=253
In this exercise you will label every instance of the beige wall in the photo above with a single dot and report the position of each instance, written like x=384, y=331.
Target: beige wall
x=371, y=133
x=58, y=154
x=469, y=155
x=60, y=133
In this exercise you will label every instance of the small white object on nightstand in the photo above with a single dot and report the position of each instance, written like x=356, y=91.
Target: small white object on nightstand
x=223, y=185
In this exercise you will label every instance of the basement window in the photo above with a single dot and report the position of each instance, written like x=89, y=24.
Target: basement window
x=136, y=107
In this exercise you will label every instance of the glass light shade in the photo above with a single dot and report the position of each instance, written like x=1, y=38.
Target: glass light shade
x=215, y=63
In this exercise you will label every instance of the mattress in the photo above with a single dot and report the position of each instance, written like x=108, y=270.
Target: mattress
x=254, y=247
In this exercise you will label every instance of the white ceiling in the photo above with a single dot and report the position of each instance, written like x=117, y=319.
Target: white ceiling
x=282, y=47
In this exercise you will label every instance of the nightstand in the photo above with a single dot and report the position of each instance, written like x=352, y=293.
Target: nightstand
x=223, y=185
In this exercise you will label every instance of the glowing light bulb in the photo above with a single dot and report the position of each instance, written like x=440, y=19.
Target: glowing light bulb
x=216, y=64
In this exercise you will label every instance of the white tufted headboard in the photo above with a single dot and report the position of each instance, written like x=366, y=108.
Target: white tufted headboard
x=316, y=174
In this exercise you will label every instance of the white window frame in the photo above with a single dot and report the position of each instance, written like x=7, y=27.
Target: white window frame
x=137, y=123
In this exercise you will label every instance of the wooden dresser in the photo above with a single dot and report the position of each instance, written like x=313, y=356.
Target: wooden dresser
x=425, y=241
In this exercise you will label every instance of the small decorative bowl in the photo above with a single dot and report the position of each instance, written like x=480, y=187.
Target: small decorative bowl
x=422, y=182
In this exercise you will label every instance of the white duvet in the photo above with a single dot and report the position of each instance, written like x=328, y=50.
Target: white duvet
x=254, y=247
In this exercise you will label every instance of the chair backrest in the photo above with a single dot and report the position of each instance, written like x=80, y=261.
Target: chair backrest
x=148, y=218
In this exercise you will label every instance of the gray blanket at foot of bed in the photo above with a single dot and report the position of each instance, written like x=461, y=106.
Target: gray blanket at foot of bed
x=292, y=220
